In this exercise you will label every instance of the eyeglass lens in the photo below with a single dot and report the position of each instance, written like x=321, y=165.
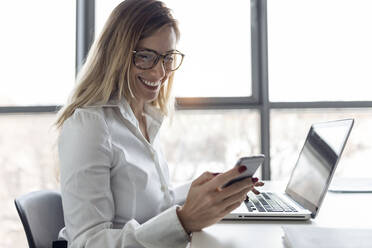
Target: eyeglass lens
x=148, y=59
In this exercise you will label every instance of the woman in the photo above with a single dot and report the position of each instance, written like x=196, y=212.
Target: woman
x=114, y=179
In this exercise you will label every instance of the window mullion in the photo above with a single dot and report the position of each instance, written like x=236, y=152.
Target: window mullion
x=85, y=25
x=260, y=75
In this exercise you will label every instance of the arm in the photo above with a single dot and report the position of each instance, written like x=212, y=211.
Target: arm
x=179, y=193
x=86, y=159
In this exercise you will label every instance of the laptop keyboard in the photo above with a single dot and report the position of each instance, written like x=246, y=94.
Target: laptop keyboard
x=268, y=202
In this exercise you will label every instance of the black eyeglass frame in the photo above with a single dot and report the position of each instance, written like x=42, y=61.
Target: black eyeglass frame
x=158, y=56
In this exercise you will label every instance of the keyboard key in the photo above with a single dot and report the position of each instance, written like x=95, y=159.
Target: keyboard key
x=257, y=204
x=284, y=205
x=250, y=206
x=265, y=204
x=276, y=207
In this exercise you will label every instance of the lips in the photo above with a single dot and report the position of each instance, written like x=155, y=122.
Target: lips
x=150, y=85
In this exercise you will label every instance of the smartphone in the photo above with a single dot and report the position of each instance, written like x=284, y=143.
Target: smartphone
x=252, y=163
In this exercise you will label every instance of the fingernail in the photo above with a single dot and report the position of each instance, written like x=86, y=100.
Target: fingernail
x=254, y=179
x=242, y=168
x=215, y=174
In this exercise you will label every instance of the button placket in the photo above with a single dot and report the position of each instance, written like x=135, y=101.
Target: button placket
x=163, y=186
x=153, y=155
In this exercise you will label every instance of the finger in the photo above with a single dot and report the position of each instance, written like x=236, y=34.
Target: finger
x=238, y=197
x=230, y=208
x=205, y=177
x=256, y=191
x=259, y=184
x=223, y=178
x=235, y=188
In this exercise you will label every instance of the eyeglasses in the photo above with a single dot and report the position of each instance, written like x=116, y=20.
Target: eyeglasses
x=146, y=59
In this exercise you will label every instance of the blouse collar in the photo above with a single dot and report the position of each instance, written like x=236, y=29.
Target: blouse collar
x=154, y=117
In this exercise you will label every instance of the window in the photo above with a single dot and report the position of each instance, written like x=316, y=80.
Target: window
x=37, y=52
x=318, y=58
x=37, y=62
x=319, y=50
x=288, y=139
x=198, y=141
x=217, y=48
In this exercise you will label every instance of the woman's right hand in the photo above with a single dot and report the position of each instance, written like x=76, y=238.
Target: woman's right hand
x=208, y=202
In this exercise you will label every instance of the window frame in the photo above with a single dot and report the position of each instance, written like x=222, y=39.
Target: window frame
x=85, y=25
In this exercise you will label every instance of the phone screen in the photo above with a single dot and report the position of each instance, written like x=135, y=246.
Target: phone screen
x=252, y=163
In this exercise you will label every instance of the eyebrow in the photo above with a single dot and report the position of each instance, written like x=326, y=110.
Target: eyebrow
x=146, y=48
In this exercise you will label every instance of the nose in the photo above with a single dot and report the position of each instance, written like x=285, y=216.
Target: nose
x=158, y=70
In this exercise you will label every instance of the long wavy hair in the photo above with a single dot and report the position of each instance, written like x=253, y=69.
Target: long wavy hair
x=106, y=73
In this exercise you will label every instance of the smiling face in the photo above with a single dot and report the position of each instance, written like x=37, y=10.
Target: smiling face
x=146, y=84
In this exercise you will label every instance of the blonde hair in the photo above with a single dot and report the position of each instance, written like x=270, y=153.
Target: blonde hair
x=106, y=73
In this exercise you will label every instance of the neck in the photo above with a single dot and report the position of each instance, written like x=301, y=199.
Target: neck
x=137, y=108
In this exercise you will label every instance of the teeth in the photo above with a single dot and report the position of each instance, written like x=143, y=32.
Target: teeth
x=152, y=84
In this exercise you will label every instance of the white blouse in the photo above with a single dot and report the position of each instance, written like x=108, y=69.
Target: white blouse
x=114, y=183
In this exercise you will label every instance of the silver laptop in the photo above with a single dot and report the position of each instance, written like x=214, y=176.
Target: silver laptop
x=309, y=181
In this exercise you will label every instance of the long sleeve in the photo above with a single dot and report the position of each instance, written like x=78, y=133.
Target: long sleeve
x=86, y=162
x=179, y=193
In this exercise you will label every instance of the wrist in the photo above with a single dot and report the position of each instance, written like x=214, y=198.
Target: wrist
x=181, y=218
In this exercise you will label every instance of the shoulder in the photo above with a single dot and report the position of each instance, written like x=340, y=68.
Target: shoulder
x=85, y=117
x=85, y=123
x=84, y=141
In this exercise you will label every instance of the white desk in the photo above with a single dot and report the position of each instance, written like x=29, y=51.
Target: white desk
x=336, y=211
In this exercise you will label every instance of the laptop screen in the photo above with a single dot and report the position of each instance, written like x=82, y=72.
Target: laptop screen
x=317, y=162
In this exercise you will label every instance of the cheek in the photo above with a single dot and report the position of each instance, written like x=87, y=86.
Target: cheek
x=133, y=73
